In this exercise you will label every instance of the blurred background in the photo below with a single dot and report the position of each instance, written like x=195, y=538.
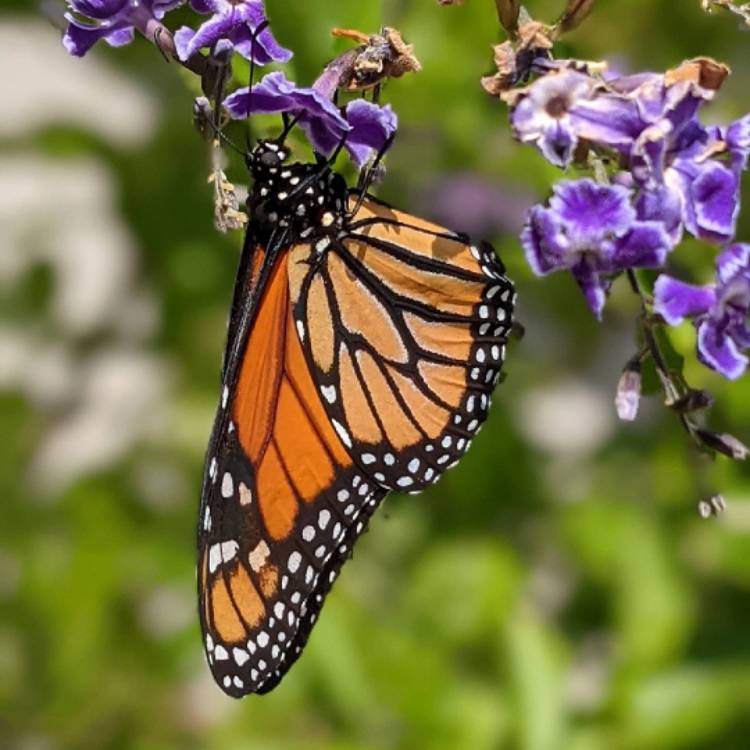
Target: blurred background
x=556, y=591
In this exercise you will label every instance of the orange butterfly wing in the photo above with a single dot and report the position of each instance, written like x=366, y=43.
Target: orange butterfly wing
x=367, y=365
x=282, y=504
x=404, y=324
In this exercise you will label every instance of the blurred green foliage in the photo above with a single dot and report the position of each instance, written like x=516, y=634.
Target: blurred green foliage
x=538, y=598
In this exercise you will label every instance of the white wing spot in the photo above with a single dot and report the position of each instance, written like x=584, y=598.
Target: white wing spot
x=227, y=485
x=294, y=560
x=246, y=497
x=342, y=433
x=257, y=558
x=240, y=656
x=323, y=518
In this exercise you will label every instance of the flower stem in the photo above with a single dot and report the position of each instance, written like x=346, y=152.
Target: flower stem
x=673, y=391
x=159, y=35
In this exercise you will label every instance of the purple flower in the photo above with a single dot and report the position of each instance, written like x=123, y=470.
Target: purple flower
x=720, y=311
x=113, y=21
x=593, y=231
x=564, y=107
x=737, y=138
x=363, y=127
x=236, y=21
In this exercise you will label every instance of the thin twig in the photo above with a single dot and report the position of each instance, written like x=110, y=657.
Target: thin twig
x=673, y=391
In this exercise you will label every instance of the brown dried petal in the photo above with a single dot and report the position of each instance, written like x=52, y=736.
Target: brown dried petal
x=701, y=71
x=533, y=35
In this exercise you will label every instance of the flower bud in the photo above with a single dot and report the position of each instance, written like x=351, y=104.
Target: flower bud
x=203, y=117
x=714, y=506
x=723, y=442
x=692, y=401
x=575, y=12
x=628, y=397
x=507, y=11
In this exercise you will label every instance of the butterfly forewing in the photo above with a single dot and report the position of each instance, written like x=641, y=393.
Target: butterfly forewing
x=283, y=504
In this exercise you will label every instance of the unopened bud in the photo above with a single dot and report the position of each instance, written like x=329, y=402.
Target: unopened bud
x=628, y=397
x=714, y=506
x=723, y=442
x=507, y=11
x=692, y=401
x=575, y=12
x=203, y=117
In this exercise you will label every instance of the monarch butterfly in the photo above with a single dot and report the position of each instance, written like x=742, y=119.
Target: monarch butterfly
x=363, y=347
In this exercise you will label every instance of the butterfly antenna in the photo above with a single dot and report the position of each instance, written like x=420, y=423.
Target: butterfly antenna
x=368, y=175
x=253, y=38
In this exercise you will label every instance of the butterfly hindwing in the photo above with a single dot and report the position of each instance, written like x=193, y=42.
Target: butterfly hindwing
x=404, y=325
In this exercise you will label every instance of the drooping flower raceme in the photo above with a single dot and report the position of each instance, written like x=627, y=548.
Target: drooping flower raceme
x=243, y=23
x=114, y=21
x=362, y=128
x=650, y=123
x=720, y=311
x=592, y=230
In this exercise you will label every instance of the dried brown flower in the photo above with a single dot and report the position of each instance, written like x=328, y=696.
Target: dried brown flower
x=513, y=58
x=378, y=57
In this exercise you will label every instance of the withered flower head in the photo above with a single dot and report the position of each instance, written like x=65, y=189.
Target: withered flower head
x=378, y=57
x=514, y=59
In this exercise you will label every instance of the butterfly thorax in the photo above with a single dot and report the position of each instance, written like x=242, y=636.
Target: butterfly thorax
x=307, y=200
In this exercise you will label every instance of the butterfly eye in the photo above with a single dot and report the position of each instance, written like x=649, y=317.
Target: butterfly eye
x=270, y=159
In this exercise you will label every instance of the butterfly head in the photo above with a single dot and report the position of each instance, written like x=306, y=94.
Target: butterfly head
x=266, y=159
x=305, y=197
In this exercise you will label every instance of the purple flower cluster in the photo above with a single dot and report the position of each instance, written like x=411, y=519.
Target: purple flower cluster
x=114, y=21
x=593, y=231
x=362, y=128
x=237, y=22
x=674, y=175
x=720, y=311
x=241, y=23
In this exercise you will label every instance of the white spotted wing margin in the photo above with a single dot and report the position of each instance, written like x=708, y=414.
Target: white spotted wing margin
x=308, y=562
x=419, y=340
